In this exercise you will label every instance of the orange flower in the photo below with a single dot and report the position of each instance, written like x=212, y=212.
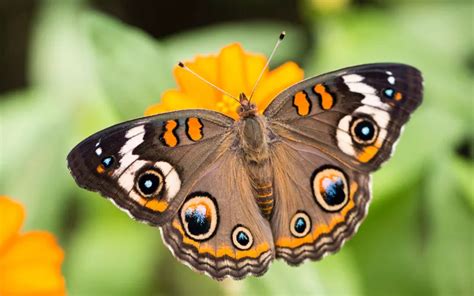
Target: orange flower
x=234, y=71
x=30, y=263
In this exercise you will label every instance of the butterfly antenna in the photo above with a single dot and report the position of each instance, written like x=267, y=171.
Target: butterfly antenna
x=206, y=81
x=280, y=39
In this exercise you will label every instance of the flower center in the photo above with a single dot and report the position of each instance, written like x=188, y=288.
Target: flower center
x=227, y=104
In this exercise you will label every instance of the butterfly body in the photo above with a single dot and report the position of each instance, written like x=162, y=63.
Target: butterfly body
x=253, y=143
x=231, y=195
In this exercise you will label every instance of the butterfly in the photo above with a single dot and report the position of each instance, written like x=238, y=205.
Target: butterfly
x=230, y=196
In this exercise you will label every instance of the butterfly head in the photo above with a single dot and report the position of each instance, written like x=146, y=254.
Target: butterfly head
x=246, y=108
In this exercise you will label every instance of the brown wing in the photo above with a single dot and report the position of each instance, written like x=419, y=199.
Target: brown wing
x=145, y=166
x=219, y=229
x=355, y=114
x=319, y=202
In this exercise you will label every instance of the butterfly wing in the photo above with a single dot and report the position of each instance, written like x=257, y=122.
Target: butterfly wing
x=355, y=114
x=146, y=166
x=329, y=133
x=319, y=202
x=219, y=229
x=182, y=171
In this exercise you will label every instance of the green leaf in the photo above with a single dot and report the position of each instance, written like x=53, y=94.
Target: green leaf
x=388, y=248
x=61, y=60
x=110, y=254
x=40, y=125
x=463, y=175
x=419, y=145
x=133, y=69
x=450, y=244
x=282, y=279
x=33, y=154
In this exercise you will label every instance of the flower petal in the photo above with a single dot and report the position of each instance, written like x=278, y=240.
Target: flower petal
x=276, y=81
x=32, y=247
x=173, y=100
x=31, y=265
x=12, y=214
x=231, y=69
x=254, y=64
x=181, y=101
x=156, y=109
x=191, y=85
x=32, y=279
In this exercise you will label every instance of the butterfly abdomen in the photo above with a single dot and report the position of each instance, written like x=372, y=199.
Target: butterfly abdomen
x=254, y=143
x=264, y=199
x=262, y=184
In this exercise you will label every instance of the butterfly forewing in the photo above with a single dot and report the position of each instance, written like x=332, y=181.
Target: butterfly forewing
x=354, y=114
x=146, y=165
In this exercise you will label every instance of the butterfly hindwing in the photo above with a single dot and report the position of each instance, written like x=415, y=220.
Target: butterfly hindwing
x=219, y=229
x=319, y=202
x=144, y=165
x=355, y=114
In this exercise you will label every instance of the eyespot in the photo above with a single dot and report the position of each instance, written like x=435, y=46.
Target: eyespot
x=242, y=238
x=300, y=224
x=105, y=164
x=143, y=189
x=199, y=216
x=150, y=183
x=107, y=161
x=364, y=131
x=330, y=188
x=389, y=92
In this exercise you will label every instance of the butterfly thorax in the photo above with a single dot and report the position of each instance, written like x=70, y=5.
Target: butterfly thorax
x=252, y=127
x=253, y=133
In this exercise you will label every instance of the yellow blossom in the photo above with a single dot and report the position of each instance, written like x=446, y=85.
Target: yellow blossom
x=30, y=263
x=234, y=71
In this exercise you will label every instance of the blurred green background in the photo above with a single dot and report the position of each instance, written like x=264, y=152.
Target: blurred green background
x=71, y=68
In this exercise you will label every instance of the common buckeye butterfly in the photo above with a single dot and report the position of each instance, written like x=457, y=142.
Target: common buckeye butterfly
x=232, y=195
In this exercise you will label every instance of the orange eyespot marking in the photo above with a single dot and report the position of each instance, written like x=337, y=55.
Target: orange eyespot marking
x=333, y=178
x=302, y=103
x=367, y=153
x=100, y=169
x=222, y=250
x=292, y=242
x=201, y=205
x=194, y=129
x=398, y=96
x=169, y=137
x=157, y=205
x=327, y=101
x=199, y=217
